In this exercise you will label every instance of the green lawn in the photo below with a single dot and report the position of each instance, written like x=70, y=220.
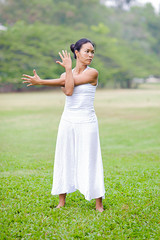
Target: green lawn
x=129, y=123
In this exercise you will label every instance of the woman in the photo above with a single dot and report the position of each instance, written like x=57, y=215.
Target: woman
x=78, y=162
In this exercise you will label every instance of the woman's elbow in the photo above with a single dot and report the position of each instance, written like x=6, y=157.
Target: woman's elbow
x=69, y=93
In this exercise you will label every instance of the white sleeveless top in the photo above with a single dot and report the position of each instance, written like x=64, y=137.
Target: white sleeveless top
x=82, y=98
x=80, y=106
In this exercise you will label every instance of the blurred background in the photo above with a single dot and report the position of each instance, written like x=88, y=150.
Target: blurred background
x=126, y=34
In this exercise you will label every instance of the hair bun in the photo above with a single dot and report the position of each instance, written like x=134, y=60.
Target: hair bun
x=72, y=47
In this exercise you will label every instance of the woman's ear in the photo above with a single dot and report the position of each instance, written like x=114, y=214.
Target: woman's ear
x=76, y=53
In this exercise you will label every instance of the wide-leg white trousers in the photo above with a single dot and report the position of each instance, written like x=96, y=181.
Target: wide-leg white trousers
x=78, y=162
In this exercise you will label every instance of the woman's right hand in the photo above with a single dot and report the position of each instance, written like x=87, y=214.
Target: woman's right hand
x=32, y=80
x=66, y=60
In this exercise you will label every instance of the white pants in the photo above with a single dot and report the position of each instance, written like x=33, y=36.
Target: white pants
x=78, y=162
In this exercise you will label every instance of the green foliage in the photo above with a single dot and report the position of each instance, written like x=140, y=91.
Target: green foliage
x=129, y=133
x=127, y=42
x=101, y=28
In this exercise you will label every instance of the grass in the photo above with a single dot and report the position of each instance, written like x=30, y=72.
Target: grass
x=129, y=132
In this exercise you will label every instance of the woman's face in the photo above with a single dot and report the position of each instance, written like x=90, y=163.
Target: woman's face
x=86, y=53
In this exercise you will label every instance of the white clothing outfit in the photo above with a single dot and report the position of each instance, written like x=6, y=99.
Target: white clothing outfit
x=78, y=162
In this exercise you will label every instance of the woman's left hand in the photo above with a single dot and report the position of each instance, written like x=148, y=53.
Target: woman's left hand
x=32, y=80
x=66, y=60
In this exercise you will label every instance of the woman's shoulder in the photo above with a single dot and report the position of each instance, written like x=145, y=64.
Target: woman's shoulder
x=92, y=70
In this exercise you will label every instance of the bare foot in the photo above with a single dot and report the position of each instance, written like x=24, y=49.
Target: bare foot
x=99, y=205
x=62, y=198
x=60, y=205
x=100, y=209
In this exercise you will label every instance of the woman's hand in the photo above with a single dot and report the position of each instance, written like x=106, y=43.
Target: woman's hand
x=35, y=80
x=66, y=60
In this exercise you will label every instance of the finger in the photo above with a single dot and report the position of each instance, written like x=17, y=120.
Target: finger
x=60, y=63
x=25, y=82
x=27, y=76
x=29, y=84
x=66, y=53
x=34, y=72
x=25, y=79
x=61, y=56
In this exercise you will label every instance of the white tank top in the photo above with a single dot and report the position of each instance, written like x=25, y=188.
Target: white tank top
x=82, y=98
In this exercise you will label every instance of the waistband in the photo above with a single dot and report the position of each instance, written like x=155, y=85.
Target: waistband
x=79, y=116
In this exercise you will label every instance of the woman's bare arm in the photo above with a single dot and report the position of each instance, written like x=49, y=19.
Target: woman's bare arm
x=36, y=80
x=66, y=80
x=89, y=76
x=67, y=64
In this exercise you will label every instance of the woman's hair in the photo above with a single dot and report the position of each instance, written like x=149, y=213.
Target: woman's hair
x=77, y=46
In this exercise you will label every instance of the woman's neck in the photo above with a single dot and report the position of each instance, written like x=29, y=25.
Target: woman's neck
x=79, y=68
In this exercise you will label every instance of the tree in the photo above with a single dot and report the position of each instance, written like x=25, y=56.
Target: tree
x=127, y=42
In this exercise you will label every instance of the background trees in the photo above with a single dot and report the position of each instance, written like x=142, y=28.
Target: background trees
x=127, y=41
